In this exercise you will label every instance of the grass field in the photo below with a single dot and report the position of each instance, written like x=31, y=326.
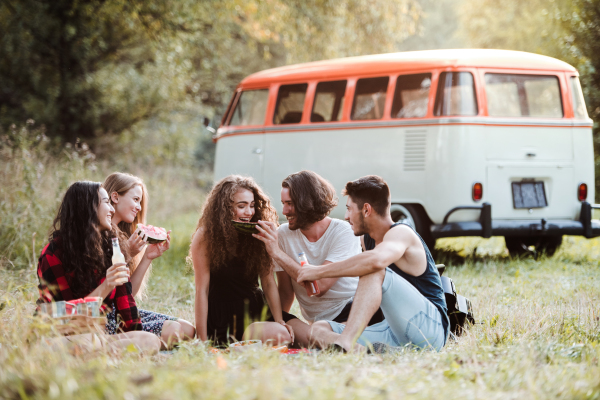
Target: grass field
x=537, y=334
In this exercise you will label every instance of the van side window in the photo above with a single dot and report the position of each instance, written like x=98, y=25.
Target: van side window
x=411, y=96
x=369, y=98
x=455, y=94
x=578, y=102
x=516, y=95
x=329, y=101
x=290, y=103
x=250, y=108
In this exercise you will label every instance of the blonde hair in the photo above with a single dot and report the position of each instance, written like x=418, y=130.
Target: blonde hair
x=121, y=183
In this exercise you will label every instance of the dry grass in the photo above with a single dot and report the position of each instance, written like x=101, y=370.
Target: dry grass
x=537, y=336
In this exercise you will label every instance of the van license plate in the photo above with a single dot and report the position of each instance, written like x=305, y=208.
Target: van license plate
x=529, y=194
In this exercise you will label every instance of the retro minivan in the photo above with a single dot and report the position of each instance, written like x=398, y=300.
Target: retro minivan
x=471, y=142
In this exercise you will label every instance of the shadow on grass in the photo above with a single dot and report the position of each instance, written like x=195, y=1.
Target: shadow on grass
x=452, y=257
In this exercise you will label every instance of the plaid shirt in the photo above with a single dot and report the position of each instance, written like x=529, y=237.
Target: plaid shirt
x=54, y=286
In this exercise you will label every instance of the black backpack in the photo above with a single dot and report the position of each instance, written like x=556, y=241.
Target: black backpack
x=460, y=310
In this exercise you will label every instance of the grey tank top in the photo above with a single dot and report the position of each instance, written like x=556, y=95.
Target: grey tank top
x=428, y=284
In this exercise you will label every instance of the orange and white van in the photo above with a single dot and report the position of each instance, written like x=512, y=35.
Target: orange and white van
x=471, y=142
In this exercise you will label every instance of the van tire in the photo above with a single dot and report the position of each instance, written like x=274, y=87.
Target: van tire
x=417, y=218
x=542, y=244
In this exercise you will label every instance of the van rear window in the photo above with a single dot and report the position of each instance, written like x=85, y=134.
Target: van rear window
x=290, y=103
x=250, y=108
x=329, y=101
x=455, y=94
x=411, y=96
x=512, y=95
x=578, y=102
x=369, y=98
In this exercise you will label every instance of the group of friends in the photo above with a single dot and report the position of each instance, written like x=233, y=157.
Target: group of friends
x=378, y=282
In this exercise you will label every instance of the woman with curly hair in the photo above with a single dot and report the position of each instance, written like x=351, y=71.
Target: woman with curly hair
x=227, y=264
x=129, y=197
x=76, y=263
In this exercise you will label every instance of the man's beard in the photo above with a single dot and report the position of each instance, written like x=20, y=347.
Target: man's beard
x=299, y=223
x=360, y=228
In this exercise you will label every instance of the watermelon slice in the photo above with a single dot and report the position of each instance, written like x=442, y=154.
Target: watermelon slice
x=155, y=234
x=247, y=228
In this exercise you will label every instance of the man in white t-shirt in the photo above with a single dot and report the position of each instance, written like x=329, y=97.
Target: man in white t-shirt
x=307, y=200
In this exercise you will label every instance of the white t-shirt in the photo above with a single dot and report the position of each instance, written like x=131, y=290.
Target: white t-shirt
x=337, y=244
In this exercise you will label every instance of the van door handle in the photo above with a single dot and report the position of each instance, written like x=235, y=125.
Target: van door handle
x=530, y=154
x=257, y=151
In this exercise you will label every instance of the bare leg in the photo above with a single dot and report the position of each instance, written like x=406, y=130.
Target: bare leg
x=145, y=342
x=175, y=331
x=321, y=334
x=366, y=301
x=268, y=332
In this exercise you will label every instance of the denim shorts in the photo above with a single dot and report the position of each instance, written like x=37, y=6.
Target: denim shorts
x=410, y=318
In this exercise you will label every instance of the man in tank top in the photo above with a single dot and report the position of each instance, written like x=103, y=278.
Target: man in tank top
x=397, y=273
x=307, y=200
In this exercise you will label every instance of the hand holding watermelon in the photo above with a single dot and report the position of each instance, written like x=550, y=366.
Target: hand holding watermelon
x=158, y=238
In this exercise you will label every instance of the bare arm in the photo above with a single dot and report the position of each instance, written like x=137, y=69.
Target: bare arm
x=272, y=295
x=114, y=277
x=286, y=290
x=201, y=279
x=138, y=275
x=153, y=251
x=292, y=267
x=391, y=249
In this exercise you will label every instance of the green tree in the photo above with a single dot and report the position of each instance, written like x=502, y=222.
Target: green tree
x=84, y=68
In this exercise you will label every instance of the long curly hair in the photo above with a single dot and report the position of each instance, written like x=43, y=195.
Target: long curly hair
x=121, y=183
x=223, y=241
x=84, y=248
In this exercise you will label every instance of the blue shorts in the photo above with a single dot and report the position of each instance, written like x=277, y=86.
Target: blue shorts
x=410, y=318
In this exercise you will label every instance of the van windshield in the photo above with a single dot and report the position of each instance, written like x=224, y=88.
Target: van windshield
x=250, y=108
x=455, y=94
x=411, y=97
x=512, y=95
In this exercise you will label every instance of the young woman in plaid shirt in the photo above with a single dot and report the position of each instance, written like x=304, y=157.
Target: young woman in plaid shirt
x=129, y=197
x=76, y=263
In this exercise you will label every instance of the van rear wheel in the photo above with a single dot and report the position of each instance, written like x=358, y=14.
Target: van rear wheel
x=414, y=216
x=519, y=245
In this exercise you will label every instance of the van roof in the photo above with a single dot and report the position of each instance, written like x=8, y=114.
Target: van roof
x=405, y=61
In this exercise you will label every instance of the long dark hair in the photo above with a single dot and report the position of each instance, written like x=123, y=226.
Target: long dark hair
x=313, y=196
x=84, y=248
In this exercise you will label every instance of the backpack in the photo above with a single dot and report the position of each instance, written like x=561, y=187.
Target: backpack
x=460, y=310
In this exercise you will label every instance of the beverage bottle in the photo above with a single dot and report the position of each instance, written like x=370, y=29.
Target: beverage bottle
x=313, y=287
x=118, y=257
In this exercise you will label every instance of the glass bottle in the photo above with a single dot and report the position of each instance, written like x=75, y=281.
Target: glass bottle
x=313, y=288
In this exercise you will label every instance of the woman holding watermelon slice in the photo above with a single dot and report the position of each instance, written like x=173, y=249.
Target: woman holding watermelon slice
x=129, y=197
x=228, y=263
x=76, y=263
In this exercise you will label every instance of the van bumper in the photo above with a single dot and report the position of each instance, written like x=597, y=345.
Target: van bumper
x=486, y=227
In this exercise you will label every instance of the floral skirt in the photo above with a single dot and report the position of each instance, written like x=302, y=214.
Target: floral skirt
x=151, y=321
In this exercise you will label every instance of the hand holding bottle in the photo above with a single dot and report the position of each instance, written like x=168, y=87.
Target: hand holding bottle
x=117, y=275
x=312, y=287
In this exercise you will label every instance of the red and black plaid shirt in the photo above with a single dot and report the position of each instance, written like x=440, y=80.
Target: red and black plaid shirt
x=54, y=286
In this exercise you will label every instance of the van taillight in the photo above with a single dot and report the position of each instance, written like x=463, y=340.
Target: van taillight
x=582, y=192
x=477, y=191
